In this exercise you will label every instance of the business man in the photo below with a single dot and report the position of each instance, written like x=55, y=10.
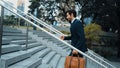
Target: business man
x=77, y=33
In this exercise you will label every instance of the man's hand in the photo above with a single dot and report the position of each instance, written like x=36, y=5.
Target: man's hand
x=62, y=37
x=74, y=52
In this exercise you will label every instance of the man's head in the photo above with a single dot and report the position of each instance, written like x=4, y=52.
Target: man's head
x=70, y=14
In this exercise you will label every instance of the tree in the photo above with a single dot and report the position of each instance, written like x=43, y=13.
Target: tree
x=49, y=10
x=34, y=8
x=10, y=20
x=105, y=13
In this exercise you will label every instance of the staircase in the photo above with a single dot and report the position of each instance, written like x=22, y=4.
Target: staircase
x=37, y=55
x=43, y=49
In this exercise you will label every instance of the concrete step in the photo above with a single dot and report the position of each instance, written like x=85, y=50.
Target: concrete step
x=44, y=35
x=57, y=49
x=91, y=64
x=62, y=45
x=61, y=63
x=39, y=33
x=15, y=57
x=48, y=57
x=7, y=27
x=10, y=48
x=47, y=37
x=57, y=42
x=54, y=40
x=68, y=49
x=11, y=31
x=16, y=38
x=5, y=41
x=27, y=63
x=44, y=66
x=14, y=34
x=11, y=58
x=22, y=42
x=65, y=47
x=38, y=53
x=55, y=60
x=36, y=49
x=43, y=52
x=31, y=45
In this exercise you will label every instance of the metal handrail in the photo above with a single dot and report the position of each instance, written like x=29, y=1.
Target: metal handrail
x=65, y=35
x=37, y=20
x=56, y=37
x=48, y=26
x=100, y=58
x=52, y=29
x=1, y=29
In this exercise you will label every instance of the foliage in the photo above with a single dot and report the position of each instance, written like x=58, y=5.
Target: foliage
x=48, y=10
x=92, y=32
x=104, y=12
x=10, y=20
x=34, y=4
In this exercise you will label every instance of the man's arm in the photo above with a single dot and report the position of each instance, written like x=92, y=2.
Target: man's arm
x=65, y=37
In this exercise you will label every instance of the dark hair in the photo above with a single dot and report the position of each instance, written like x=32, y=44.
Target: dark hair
x=71, y=11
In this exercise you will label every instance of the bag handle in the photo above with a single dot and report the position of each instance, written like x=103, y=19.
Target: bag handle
x=78, y=60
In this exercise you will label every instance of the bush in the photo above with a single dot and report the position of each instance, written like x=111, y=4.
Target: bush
x=92, y=32
x=10, y=20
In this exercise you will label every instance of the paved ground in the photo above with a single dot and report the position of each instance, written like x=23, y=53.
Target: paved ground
x=117, y=64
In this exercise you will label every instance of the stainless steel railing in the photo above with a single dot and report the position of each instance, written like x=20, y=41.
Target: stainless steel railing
x=1, y=29
x=55, y=37
x=54, y=30
x=60, y=33
x=30, y=16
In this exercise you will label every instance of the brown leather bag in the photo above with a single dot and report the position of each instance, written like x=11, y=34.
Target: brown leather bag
x=74, y=62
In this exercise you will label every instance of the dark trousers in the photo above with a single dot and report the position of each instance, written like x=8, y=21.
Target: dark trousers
x=75, y=54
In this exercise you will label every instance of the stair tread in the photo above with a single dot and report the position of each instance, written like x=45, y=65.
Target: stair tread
x=55, y=60
x=10, y=48
x=43, y=52
x=13, y=34
x=61, y=63
x=16, y=38
x=5, y=41
x=44, y=66
x=31, y=45
x=27, y=63
x=49, y=56
x=11, y=30
x=21, y=42
x=17, y=56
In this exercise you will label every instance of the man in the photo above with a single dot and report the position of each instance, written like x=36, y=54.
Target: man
x=77, y=33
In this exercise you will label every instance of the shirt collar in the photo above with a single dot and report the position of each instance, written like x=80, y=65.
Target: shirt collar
x=73, y=20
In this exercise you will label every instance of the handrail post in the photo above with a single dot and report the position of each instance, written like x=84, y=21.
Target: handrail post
x=43, y=30
x=56, y=37
x=27, y=35
x=1, y=28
